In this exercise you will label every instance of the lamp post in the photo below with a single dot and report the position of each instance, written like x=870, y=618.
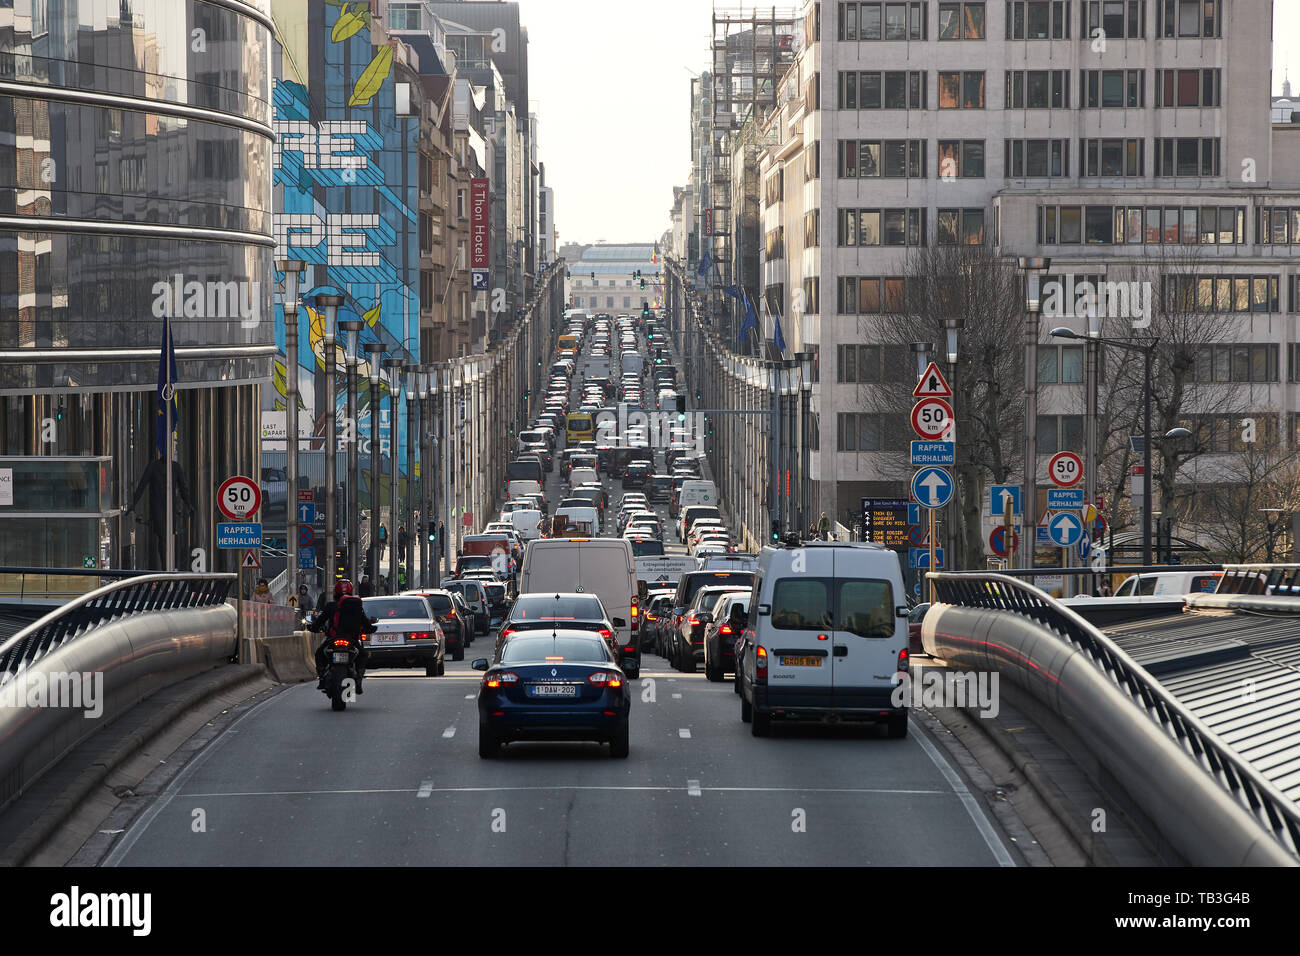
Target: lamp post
x=1033, y=268
x=373, y=352
x=952, y=327
x=352, y=328
x=292, y=269
x=803, y=361
x=1148, y=352
x=428, y=481
x=331, y=304
x=1271, y=516
x=413, y=427
x=395, y=368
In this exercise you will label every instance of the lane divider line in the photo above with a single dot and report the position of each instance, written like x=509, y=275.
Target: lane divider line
x=684, y=733
x=693, y=788
x=426, y=788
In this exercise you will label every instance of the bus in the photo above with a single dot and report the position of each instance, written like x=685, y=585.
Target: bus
x=581, y=426
x=567, y=343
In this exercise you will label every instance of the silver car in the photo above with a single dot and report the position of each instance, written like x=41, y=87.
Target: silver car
x=407, y=634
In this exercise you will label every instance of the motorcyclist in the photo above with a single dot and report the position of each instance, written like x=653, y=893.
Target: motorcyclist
x=339, y=618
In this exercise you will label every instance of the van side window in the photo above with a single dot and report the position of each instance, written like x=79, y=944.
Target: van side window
x=1147, y=586
x=801, y=604
x=866, y=608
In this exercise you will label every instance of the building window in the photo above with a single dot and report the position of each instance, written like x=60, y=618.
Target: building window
x=627, y=302
x=882, y=21
x=1117, y=19
x=1038, y=89
x=774, y=188
x=890, y=90
x=892, y=158
x=1037, y=157
x=1059, y=433
x=1110, y=89
x=1038, y=19
x=1187, y=157
x=812, y=295
x=1220, y=293
x=1111, y=157
x=1189, y=88
x=961, y=21
x=870, y=295
x=404, y=16
x=857, y=432
x=1189, y=18
x=775, y=243
x=961, y=226
x=1293, y=360
x=812, y=157
x=426, y=290
x=961, y=158
x=812, y=227
x=1222, y=434
x=1293, y=286
x=1275, y=225
x=1060, y=364
x=881, y=227
x=961, y=90
x=871, y=364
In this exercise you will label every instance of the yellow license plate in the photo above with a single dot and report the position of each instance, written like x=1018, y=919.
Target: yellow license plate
x=801, y=662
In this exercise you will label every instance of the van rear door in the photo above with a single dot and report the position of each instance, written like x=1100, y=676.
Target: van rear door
x=868, y=637
x=604, y=569
x=799, y=643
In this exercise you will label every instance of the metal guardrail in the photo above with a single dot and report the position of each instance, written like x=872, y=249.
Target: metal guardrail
x=1260, y=579
x=137, y=593
x=1270, y=808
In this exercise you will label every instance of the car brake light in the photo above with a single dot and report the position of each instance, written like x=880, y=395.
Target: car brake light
x=606, y=633
x=725, y=629
x=507, y=632
x=651, y=617
x=760, y=661
x=904, y=661
x=419, y=635
x=605, y=679
x=340, y=643
x=505, y=677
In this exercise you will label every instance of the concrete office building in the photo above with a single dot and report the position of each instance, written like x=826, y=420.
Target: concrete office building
x=916, y=123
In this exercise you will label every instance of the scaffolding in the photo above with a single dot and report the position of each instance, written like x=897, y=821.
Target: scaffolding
x=752, y=50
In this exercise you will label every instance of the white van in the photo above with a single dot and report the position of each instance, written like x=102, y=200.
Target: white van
x=1169, y=583
x=601, y=566
x=586, y=520
x=826, y=637
x=583, y=476
x=527, y=522
x=697, y=492
x=521, y=487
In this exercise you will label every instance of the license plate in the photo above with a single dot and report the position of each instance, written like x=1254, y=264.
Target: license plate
x=801, y=662
x=553, y=690
x=340, y=658
x=385, y=638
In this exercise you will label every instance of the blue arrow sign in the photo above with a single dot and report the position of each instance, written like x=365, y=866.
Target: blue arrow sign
x=913, y=513
x=920, y=557
x=306, y=559
x=1085, y=546
x=998, y=495
x=932, y=487
x=307, y=512
x=1065, y=529
x=934, y=453
x=243, y=534
x=1064, y=499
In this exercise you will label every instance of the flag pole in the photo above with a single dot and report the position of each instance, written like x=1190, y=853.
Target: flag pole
x=168, y=393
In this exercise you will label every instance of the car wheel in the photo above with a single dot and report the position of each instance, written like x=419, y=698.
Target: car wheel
x=488, y=744
x=688, y=660
x=442, y=666
x=618, y=744
x=459, y=653
x=714, y=674
x=898, y=726
x=746, y=709
x=431, y=670
x=761, y=725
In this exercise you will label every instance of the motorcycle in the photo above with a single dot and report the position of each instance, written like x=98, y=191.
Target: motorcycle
x=342, y=658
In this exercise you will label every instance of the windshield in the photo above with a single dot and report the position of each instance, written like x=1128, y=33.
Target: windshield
x=395, y=607
x=566, y=649
x=567, y=607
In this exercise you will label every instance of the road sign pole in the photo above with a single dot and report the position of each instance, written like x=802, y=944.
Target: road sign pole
x=1010, y=540
x=931, y=568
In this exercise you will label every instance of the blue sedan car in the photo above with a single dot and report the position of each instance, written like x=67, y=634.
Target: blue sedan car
x=557, y=685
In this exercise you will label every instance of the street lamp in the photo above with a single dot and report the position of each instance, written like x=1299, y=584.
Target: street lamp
x=1271, y=516
x=292, y=269
x=1148, y=351
x=428, y=483
x=1033, y=267
x=331, y=304
x=352, y=328
x=373, y=351
x=921, y=350
x=413, y=428
x=395, y=368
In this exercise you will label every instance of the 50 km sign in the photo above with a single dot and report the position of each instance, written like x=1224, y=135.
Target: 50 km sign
x=239, y=497
x=932, y=418
x=1065, y=469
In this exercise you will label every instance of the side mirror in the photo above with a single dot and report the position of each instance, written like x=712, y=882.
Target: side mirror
x=764, y=610
x=481, y=664
x=901, y=611
x=619, y=622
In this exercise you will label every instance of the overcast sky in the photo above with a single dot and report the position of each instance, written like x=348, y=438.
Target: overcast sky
x=610, y=81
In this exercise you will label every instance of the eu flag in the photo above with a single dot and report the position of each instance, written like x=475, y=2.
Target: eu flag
x=751, y=320
x=705, y=264
x=166, y=389
x=777, y=338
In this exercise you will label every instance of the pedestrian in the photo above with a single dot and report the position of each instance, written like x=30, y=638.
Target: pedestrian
x=823, y=528
x=403, y=539
x=262, y=593
x=304, y=598
x=365, y=588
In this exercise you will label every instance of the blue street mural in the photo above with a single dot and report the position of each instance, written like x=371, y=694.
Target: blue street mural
x=346, y=201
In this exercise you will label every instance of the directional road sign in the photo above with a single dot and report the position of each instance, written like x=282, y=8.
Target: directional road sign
x=920, y=557
x=932, y=384
x=1065, y=499
x=239, y=497
x=1084, y=546
x=306, y=558
x=246, y=534
x=1065, y=530
x=307, y=512
x=998, y=541
x=913, y=513
x=998, y=495
x=932, y=418
x=934, y=453
x=932, y=487
x=1065, y=469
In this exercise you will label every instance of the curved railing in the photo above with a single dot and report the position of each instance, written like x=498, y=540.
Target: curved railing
x=1250, y=789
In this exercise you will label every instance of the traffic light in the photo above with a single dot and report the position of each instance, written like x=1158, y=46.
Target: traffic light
x=433, y=531
x=681, y=408
x=659, y=356
x=776, y=531
x=643, y=283
x=699, y=397
x=512, y=428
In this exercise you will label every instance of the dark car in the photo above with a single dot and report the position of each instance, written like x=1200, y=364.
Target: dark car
x=637, y=474
x=687, y=586
x=498, y=600
x=688, y=647
x=453, y=619
x=915, y=618
x=574, y=611
x=406, y=634
x=556, y=685
x=659, y=488
x=730, y=611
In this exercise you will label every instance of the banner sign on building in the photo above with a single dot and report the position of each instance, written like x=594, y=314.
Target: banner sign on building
x=478, y=224
x=708, y=221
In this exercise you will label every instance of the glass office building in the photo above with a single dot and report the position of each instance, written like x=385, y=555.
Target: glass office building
x=135, y=185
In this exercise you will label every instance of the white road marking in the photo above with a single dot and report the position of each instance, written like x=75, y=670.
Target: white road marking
x=449, y=732
x=318, y=793
x=976, y=813
x=677, y=696
x=693, y=788
x=684, y=733
x=426, y=788
x=469, y=696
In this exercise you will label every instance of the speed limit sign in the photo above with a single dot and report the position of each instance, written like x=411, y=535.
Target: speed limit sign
x=239, y=497
x=932, y=418
x=1065, y=469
